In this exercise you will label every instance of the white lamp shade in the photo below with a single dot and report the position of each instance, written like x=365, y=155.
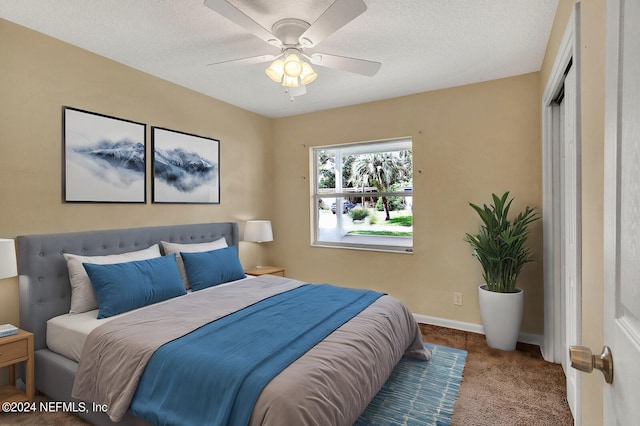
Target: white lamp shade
x=308, y=75
x=8, y=266
x=289, y=81
x=292, y=66
x=258, y=231
x=275, y=70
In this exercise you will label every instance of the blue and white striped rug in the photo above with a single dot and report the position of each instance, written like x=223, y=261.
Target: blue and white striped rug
x=418, y=393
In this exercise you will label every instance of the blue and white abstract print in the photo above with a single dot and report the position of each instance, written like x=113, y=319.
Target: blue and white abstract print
x=185, y=171
x=185, y=168
x=104, y=158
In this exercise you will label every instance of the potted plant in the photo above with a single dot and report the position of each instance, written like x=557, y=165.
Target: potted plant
x=500, y=248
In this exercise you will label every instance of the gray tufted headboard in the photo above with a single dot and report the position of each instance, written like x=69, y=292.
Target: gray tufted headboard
x=45, y=291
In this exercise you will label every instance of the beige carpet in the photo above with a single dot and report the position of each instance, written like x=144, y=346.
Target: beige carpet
x=504, y=388
x=498, y=388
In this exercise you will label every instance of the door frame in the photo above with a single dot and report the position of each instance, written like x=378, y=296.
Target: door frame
x=554, y=301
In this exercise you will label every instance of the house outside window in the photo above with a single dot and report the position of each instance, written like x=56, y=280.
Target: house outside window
x=363, y=195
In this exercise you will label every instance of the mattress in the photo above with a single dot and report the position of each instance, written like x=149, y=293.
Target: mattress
x=67, y=333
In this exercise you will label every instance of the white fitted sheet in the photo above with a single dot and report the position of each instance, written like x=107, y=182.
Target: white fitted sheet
x=67, y=333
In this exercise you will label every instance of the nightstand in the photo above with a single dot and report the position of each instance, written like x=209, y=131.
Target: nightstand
x=264, y=270
x=14, y=349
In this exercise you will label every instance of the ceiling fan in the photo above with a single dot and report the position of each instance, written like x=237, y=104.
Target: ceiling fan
x=293, y=37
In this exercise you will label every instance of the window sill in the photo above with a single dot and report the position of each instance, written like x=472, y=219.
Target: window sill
x=362, y=247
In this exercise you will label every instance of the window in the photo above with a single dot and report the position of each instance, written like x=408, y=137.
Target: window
x=363, y=195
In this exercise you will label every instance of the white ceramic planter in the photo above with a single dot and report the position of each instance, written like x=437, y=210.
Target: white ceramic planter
x=501, y=317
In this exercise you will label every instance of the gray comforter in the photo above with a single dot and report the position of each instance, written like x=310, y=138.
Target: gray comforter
x=331, y=384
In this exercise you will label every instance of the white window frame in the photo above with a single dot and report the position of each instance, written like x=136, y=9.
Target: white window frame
x=316, y=196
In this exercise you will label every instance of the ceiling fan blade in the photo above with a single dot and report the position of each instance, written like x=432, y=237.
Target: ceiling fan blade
x=234, y=14
x=340, y=13
x=244, y=61
x=343, y=63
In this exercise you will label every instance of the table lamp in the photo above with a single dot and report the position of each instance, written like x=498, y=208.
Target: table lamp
x=8, y=266
x=258, y=231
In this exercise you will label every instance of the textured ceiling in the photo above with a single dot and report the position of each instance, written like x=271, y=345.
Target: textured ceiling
x=423, y=45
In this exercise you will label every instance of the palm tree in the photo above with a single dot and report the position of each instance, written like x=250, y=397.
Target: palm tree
x=383, y=171
x=327, y=169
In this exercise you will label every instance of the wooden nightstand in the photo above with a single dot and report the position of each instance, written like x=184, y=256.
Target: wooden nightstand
x=264, y=270
x=15, y=349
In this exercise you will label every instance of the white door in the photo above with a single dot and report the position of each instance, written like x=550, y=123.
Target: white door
x=571, y=263
x=622, y=212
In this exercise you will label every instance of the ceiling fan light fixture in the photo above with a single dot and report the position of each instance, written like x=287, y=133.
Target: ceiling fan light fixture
x=288, y=81
x=292, y=65
x=292, y=36
x=308, y=75
x=275, y=71
x=291, y=72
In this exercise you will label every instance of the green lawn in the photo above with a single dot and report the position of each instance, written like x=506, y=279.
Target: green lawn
x=398, y=219
x=385, y=233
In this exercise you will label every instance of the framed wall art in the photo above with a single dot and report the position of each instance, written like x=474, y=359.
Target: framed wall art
x=104, y=158
x=186, y=168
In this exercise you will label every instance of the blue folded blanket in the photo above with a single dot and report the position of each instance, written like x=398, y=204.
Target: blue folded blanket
x=215, y=374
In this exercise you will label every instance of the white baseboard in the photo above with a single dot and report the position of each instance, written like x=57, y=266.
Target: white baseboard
x=534, y=339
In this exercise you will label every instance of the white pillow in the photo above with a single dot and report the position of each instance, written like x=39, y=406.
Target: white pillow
x=83, y=297
x=190, y=248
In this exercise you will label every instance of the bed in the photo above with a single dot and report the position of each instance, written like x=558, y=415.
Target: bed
x=329, y=382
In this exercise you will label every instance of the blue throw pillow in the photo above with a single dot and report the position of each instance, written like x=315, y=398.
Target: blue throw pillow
x=210, y=268
x=121, y=287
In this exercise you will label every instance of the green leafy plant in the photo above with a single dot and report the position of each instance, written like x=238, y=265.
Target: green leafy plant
x=358, y=213
x=499, y=245
x=394, y=203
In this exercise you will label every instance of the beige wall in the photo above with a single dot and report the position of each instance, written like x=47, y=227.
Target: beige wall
x=38, y=75
x=468, y=142
x=592, y=50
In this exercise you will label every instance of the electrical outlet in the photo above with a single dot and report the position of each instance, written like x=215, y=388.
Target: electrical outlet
x=457, y=298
